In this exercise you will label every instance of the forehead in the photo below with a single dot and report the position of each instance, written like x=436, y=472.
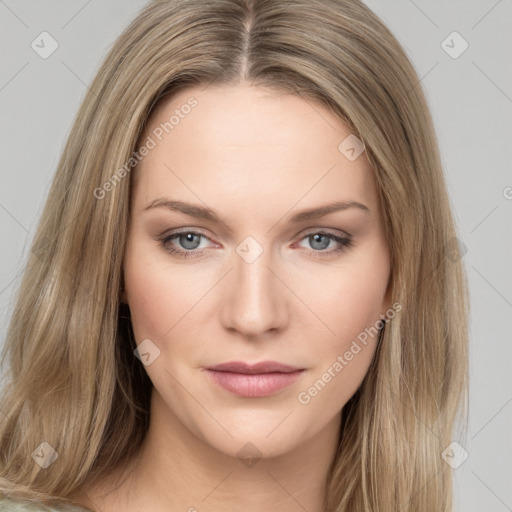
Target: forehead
x=250, y=144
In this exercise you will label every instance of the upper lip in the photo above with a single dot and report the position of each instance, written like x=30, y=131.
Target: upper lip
x=262, y=367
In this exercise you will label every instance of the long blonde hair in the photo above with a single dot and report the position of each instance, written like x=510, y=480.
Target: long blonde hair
x=73, y=381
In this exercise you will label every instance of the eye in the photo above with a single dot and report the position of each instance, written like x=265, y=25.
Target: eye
x=320, y=241
x=188, y=240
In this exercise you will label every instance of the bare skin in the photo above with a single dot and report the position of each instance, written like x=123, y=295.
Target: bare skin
x=256, y=157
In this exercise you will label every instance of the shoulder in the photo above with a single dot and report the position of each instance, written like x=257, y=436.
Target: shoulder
x=8, y=505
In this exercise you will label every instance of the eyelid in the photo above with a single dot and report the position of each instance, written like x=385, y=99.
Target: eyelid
x=323, y=229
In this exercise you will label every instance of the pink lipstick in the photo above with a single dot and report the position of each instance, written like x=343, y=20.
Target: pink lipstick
x=252, y=381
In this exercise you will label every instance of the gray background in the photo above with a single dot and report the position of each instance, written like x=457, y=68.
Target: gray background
x=470, y=98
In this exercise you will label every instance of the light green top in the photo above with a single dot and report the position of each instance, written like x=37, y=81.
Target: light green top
x=7, y=505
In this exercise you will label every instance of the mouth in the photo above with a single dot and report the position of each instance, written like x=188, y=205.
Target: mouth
x=251, y=381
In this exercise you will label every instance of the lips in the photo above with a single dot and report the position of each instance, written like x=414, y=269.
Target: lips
x=256, y=380
x=258, y=368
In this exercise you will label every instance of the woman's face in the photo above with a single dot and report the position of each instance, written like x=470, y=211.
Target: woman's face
x=259, y=273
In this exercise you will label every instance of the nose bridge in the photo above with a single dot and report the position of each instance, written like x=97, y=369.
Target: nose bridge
x=256, y=299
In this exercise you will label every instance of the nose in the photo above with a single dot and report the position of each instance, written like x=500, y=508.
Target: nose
x=256, y=300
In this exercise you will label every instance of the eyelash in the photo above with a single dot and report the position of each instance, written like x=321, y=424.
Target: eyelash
x=343, y=244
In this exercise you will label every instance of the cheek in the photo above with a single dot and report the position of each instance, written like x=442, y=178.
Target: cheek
x=169, y=303
x=352, y=298
x=158, y=298
x=152, y=306
x=343, y=358
x=353, y=305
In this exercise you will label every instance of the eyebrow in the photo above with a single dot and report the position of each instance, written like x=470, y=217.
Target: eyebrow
x=205, y=213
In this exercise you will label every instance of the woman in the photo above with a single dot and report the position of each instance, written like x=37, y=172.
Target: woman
x=246, y=285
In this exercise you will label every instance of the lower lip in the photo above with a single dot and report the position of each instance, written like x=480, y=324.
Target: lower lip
x=255, y=385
